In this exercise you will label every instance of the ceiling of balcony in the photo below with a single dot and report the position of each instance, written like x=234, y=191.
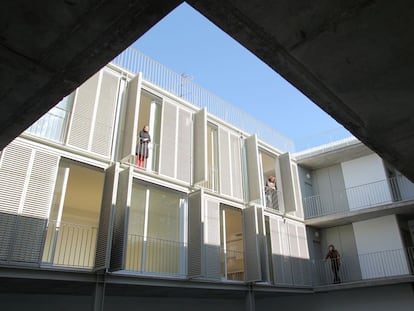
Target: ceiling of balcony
x=352, y=58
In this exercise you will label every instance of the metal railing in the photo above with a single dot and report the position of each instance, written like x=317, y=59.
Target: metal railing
x=70, y=245
x=149, y=162
x=376, y=265
x=354, y=198
x=212, y=182
x=148, y=255
x=181, y=85
x=273, y=200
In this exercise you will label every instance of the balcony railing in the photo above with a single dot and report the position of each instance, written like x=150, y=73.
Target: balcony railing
x=274, y=200
x=148, y=255
x=148, y=162
x=376, y=265
x=212, y=182
x=182, y=86
x=368, y=195
x=70, y=245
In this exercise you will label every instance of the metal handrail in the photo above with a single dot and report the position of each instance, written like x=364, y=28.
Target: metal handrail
x=182, y=86
x=363, y=196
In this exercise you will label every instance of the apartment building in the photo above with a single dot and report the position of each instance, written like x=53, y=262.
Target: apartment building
x=85, y=225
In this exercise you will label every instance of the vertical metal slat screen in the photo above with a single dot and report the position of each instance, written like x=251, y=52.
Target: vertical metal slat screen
x=236, y=165
x=224, y=162
x=287, y=183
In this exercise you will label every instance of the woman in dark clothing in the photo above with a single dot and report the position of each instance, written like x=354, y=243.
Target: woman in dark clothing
x=335, y=258
x=141, y=150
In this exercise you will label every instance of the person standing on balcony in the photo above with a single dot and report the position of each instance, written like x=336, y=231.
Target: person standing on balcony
x=270, y=191
x=141, y=150
x=335, y=258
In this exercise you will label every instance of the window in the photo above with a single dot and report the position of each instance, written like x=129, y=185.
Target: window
x=74, y=217
x=155, y=234
x=231, y=240
x=54, y=123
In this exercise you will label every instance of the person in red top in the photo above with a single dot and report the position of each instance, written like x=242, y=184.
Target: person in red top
x=335, y=258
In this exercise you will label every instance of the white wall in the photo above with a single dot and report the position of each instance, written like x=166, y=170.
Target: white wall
x=366, y=182
x=380, y=248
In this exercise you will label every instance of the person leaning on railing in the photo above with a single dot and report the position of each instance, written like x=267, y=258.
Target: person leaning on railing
x=335, y=258
x=141, y=150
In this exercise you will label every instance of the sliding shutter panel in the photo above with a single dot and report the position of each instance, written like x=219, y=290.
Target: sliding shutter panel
x=224, y=162
x=236, y=167
x=13, y=171
x=252, y=161
x=195, y=234
x=168, y=140
x=288, y=187
x=129, y=128
x=185, y=129
x=212, y=239
x=105, y=114
x=106, y=218
x=251, y=242
x=200, y=147
x=120, y=235
x=83, y=110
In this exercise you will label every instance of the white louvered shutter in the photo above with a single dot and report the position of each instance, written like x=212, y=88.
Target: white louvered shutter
x=212, y=239
x=106, y=218
x=253, y=171
x=83, y=110
x=195, y=234
x=224, y=162
x=236, y=167
x=251, y=243
x=168, y=140
x=288, y=187
x=184, y=139
x=102, y=132
x=120, y=233
x=200, y=147
x=129, y=128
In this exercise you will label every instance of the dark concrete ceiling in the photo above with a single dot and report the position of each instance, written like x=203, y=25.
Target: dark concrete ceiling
x=352, y=58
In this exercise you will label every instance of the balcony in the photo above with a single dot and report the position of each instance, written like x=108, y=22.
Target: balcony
x=145, y=162
x=389, y=264
x=69, y=245
x=395, y=189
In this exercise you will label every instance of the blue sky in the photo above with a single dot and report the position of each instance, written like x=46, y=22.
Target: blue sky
x=188, y=43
